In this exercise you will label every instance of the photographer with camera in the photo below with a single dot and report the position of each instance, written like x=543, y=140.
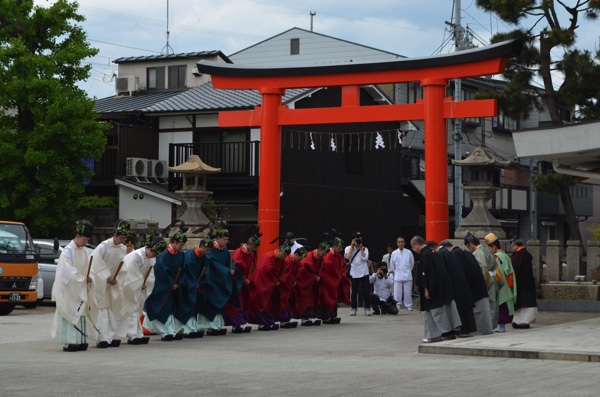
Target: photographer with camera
x=357, y=256
x=382, y=298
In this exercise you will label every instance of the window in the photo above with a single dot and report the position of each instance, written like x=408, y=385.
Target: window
x=155, y=78
x=294, y=46
x=47, y=254
x=177, y=76
x=502, y=122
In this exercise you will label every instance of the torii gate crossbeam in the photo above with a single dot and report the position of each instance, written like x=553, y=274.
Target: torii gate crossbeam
x=433, y=74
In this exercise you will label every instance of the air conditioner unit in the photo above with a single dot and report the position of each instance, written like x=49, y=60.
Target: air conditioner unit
x=126, y=84
x=137, y=166
x=157, y=169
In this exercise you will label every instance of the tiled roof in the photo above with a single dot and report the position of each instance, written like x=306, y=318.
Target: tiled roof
x=200, y=98
x=160, y=57
x=132, y=103
x=205, y=97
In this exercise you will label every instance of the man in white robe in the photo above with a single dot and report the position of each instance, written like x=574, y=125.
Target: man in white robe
x=108, y=256
x=136, y=286
x=402, y=262
x=74, y=290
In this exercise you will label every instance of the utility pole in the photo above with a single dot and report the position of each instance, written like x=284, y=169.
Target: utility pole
x=462, y=41
x=312, y=14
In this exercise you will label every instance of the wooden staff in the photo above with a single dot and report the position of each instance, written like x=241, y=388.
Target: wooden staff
x=285, y=269
x=117, y=271
x=320, y=269
x=89, y=268
x=147, y=275
x=177, y=276
x=202, y=273
x=252, y=267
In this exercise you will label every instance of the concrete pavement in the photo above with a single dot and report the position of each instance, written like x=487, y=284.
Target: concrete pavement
x=575, y=340
x=374, y=356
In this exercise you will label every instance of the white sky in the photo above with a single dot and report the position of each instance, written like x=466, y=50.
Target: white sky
x=121, y=28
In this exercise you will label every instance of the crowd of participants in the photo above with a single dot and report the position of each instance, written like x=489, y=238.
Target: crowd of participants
x=121, y=294
x=474, y=291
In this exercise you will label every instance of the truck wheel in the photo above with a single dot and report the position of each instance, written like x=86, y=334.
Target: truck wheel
x=31, y=305
x=6, y=309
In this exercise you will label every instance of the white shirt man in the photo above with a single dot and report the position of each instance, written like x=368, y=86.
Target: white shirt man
x=383, y=287
x=358, y=257
x=402, y=262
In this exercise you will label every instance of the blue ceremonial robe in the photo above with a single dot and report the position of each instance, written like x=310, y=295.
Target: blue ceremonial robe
x=162, y=302
x=192, y=268
x=216, y=283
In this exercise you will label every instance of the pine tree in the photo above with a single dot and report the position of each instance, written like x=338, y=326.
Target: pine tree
x=552, y=25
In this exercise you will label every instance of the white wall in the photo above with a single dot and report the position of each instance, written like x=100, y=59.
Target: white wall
x=138, y=69
x=165, y=138
x=315, y=49
x=150, y=207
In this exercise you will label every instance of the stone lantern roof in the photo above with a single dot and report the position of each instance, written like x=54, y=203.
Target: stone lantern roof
x=194, y=165
x=481, y=158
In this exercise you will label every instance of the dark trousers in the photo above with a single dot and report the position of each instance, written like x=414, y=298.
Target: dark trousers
x=360, y=284
x=384, y=307
x=467, y=318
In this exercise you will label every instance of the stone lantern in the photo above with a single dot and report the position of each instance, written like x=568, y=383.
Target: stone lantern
x=194, y=192
x=478, y=169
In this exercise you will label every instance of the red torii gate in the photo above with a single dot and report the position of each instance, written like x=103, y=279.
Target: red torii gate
x=433, y=74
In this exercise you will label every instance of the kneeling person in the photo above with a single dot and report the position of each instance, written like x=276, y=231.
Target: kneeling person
x=382, y=299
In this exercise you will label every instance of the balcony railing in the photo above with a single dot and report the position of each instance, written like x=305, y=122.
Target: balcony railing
x=238, y=162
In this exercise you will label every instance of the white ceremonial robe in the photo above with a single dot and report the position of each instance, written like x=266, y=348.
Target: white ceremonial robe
x=129, y=308
x=107, y=257
x=73, y=295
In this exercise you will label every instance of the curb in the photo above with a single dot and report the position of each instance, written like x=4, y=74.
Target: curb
x=510, y=353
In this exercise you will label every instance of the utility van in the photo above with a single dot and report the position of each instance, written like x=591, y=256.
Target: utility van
x=18, y=267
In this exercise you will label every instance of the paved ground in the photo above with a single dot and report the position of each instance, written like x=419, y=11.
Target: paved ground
x=375, y=356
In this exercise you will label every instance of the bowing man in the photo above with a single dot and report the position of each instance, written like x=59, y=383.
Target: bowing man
x=74, y=288
x=244, y=264
x=193, y=270
x=138, y=282
x=269, y=289
x=161, y=304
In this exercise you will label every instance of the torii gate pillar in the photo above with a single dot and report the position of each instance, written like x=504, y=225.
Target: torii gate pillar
x=269, y=181
x=436, y=160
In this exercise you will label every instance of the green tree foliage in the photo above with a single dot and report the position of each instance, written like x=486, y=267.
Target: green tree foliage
x=47, y=124
x=582, y=83
x=595, y=229
x=549, y=45
x=548, y=30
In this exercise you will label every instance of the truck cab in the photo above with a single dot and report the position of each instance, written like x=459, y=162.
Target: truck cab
x=18, y=267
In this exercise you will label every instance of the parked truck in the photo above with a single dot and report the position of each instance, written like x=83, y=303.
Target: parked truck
x=18, y=267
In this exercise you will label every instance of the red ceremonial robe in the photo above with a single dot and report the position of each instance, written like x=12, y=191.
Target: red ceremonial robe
x=329, y=284
x=264, y=289
x=305, y=290
x=244, y=261
x=343, y=288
